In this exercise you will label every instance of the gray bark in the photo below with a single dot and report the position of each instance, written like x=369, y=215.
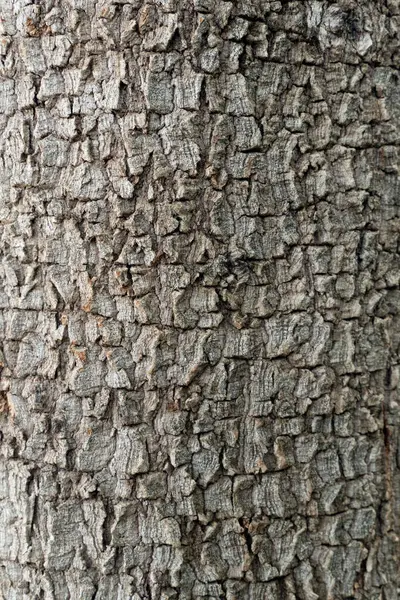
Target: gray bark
x=199, y=305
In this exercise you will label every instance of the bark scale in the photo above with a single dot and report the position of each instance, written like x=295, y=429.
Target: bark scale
x=199, y=305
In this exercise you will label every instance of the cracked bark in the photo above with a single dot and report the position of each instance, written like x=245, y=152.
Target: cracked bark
x=199, y=305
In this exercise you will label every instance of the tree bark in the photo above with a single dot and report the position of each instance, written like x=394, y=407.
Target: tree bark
x=200, y=299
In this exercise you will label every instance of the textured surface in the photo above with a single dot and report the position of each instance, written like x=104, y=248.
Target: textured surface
x=199, y=301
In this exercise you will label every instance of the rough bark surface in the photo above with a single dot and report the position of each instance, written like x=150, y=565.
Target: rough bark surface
x=199, y=302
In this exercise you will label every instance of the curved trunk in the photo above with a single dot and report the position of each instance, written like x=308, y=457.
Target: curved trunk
x=200, y=303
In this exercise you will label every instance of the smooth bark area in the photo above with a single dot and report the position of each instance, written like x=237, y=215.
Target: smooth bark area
x=200, y=306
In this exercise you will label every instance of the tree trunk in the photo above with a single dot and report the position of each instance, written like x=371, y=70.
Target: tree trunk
x=200, y=302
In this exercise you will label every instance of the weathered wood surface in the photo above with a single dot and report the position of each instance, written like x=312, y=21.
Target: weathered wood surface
x=200, y=299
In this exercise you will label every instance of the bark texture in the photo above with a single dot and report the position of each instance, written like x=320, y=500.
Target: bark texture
x=199, y=302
